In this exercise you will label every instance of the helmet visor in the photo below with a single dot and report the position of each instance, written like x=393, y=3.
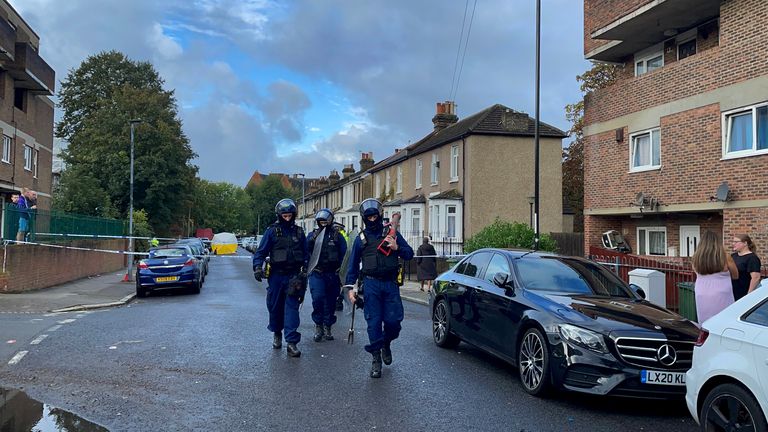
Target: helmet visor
x=370, y=207
x=324, y=215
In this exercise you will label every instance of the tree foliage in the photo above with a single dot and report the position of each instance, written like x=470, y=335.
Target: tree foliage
x=263, y=200
x=222, y=207
x=599, y=76
x=97, y=100
x=503, y=234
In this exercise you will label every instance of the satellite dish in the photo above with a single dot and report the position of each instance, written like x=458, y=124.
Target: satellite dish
x=640, y=199
x=722, y=192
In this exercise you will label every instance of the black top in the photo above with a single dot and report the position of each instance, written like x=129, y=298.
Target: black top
x=747, y=264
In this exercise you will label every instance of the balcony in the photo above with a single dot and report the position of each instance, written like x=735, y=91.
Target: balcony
x=7, y=43
x=31, y=72
x=650, y=24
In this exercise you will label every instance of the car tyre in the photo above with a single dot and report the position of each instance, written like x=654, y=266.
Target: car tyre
x=197, y=285
x=729, y=405
x=141, y=292
x=533, y=362
x=441, y=326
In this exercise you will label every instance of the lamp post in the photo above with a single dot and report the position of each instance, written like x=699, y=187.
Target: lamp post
x=303, y=202
x=537, y=233
x=130, y=211
x=531, y=200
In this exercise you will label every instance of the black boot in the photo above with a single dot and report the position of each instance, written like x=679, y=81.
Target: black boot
x=327, y=332
x=339, y=303
x=386, y=355
x=293, y=350
x=277, y=340
x=376, y=365
x=318, y=333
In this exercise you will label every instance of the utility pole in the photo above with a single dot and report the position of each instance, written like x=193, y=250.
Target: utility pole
x=537, y=191
x=129, y=276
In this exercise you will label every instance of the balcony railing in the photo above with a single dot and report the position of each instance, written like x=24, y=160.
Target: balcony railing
x=32, y=72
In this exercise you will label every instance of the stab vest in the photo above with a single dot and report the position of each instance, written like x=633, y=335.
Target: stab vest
x=375, y=263
x=329, y=252
x=287, y=252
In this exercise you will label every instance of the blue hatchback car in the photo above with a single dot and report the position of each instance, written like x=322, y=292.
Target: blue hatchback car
x=167, y=267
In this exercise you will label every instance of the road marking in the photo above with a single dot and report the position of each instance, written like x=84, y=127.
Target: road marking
x=17, y=358
x=67, y=321
x=38, y=339
x=54, y=328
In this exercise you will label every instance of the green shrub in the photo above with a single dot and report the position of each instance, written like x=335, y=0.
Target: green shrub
x=503, y=234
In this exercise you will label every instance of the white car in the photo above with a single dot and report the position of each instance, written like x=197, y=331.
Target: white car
x=727, y=385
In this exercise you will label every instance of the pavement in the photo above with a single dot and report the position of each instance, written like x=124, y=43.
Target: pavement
x=109, y=290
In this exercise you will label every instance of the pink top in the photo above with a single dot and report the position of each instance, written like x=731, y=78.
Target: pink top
x=713, y=294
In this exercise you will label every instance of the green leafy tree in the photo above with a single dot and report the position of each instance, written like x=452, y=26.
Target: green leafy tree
x=82, y=193
x=599, y=76
x=503, y=234
x=98, y=99
x=263, y=200
x=222, y=207
x=141, y=228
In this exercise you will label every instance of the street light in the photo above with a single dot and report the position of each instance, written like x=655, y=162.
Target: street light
x=537, y=232
x=129, y=276
x=531, y=200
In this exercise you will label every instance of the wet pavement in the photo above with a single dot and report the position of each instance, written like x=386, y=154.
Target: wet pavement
x=21, y=413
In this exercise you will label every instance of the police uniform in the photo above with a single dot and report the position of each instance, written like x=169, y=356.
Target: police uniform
x=383, y=308
x=285, y=244
x=324, y=283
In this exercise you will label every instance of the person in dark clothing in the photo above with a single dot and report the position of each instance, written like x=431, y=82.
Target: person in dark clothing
x=746, y=259
x=426, y=270
x=324, y=283
x=286, y=246
x=379, y=251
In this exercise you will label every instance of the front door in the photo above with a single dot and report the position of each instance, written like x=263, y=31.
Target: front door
x=690, y=237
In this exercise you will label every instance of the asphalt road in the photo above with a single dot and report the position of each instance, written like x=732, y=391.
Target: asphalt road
x=205, y=362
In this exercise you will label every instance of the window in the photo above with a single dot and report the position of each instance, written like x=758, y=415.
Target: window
x=686, y=49
x=418, y=173
x=387, y=181
x=758, y=315
x=451, y=221
x=477, y=264
x=354, y=222
x=399, y=188
x=652, y=241
x=6, y=148
x=649, y=61
x=35, y=159
x=455, y=163
x=435, y=225
x=28, y=158
x=645, y=151
x=746, y=131
x=377, y=192
x=435, y=168
x=416, y=221
x=498, y=264
x=569, y=276
x=20, y=98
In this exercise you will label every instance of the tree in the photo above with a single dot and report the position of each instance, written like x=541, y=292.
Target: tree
x=80, y=192
x=503, y=234
x=98, y=99
x=222, y=207
x=263, y=200
x=599, y=76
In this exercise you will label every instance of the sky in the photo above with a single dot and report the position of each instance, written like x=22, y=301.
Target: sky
x=305, y=86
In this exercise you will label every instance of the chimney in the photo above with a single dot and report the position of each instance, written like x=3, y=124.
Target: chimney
x=334, y=177
x=348, y=170
x=445, y=116
x=366, y=161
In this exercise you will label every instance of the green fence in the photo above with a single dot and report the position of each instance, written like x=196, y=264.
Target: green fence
x=43, y=223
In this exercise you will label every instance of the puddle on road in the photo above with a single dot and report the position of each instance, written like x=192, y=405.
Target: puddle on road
x=20, y=413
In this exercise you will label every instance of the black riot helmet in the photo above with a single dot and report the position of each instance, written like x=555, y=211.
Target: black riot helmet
x=324, y=215
x=286, y=205
x=368, y=208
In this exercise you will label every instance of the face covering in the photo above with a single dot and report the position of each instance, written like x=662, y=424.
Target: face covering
x=373, y=224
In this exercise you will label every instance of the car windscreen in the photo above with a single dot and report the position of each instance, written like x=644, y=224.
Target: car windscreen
x=168, y=253
x=569, y=276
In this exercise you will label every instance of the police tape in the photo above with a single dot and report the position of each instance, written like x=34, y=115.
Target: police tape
x=104, y=236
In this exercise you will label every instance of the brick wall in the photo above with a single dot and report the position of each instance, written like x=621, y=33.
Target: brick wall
x=750, y=221
x=599, y=13
x=31, y=267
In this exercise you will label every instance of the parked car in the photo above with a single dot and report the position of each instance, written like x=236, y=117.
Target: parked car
x=247, y=243
x=565, y=322
x=168, y=267
x=198, y=247
x=728, y=382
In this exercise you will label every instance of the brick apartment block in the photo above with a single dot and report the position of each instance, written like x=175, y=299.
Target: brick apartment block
x=688, y=116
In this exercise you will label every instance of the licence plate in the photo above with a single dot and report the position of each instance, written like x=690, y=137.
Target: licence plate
x=167, y=279
x=663, y=378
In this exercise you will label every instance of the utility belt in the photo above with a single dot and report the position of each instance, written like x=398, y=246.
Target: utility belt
x=282, y=270
x=397, y=277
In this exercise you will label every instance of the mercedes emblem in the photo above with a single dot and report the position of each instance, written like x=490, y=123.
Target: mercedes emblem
x=666, y=355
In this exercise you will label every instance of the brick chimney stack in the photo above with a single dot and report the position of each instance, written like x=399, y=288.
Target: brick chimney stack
x=446, y=115
x=334, y=176
x=366, y=161
x=348, y=170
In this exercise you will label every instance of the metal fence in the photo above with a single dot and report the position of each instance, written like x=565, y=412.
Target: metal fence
x=443, y=243
x=57, y=222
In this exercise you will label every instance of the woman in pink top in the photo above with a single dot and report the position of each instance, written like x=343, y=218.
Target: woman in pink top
x=714, y=270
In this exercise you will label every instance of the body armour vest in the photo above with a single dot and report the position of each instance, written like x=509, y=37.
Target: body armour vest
x=377, y=264
x=329, y=253
x=287, y=253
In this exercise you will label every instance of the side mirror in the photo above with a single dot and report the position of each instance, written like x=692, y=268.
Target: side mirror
x=502, y=280
x=639, y=291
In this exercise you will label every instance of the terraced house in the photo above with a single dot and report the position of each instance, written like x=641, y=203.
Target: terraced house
x=679, y=142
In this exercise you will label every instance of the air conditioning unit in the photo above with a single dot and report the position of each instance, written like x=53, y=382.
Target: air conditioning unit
x=614, y=240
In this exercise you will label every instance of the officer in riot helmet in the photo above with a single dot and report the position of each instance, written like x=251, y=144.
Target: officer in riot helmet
x=379, y=249
x=285, y=244
x=327, y=247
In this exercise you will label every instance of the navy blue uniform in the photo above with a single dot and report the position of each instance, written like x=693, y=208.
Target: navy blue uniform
x=383, y=306
x=286, y=246
x=324, y=283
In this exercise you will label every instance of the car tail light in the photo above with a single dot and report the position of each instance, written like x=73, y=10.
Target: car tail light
x=703, y=335
x=143, y=265
x=190, y=262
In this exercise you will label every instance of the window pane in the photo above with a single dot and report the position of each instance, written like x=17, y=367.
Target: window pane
x=477, y=263
x=759, y=316
x=740, y=134
x=641, y=152
x=641, y=249
x=451, y=226
x=655, y=63
x=498, y=264
x=686, y=49
x=657, y=243
x=656, y=148
x=762, y=128
x=640, y=68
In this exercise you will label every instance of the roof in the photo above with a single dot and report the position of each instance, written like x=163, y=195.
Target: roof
x=418, y=199
x=395, y=202
x=449, y=194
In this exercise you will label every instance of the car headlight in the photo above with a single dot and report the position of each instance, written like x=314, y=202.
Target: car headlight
x=583, y=337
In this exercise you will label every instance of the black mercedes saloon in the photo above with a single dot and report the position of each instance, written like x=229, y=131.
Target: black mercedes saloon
x=565, y=322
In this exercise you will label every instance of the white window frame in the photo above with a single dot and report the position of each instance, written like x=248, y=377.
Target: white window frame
x=648, y=239
x=7, y=144
x=726, y=129
x=448, y=217
x=378, y=185
x=416, y=216
x=399, y=181
x=455, y=163
x=387, y=180
x=419, y=167
x=646, y=55
x=685, y=38
x=35, y=162
x=632, y=138
x=435, y=173
x=27, y=158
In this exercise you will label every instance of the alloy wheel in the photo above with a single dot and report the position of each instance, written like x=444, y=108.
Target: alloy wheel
x=440, y=323
x=728, y=413
x=531, y=361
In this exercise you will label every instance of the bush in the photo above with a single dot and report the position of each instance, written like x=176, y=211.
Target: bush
x=503, y=234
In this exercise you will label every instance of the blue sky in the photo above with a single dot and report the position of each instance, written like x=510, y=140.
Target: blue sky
x=305, y=85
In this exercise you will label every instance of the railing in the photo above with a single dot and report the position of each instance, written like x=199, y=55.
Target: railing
x=57, y=222
x=442, y=242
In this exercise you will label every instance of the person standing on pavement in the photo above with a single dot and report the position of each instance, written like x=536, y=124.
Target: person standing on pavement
x=746, y=259
x=285, y=244
x=426, y=264
x=379, y=252
x=327, y=247
x=714, y=271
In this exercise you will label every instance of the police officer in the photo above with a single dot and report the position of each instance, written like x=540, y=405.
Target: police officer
x=286, y=245
x=154, y=242
x=383, y=306
x=324, y=283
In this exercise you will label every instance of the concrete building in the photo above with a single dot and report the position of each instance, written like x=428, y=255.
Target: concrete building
x=679, y=142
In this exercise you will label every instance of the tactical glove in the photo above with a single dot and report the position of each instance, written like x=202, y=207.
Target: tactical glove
x=258, y=273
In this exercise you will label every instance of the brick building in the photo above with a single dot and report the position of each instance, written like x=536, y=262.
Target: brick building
x=687, y=118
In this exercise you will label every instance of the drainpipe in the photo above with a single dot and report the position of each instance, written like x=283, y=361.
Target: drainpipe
x=463, y=189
